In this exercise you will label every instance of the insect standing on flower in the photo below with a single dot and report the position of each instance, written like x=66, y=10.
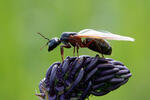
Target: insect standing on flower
x=87, y=38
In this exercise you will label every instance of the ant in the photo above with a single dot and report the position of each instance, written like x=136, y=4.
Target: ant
x=87, y=38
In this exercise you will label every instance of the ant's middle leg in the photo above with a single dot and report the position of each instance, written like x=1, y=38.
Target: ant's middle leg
x=62, y=50
x=74, y=49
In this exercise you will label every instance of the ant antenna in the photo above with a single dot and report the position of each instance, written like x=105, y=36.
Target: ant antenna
x=43, y=36
x=43, y=46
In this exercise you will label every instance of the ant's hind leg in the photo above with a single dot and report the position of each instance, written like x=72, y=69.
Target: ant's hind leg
x=62, y=50
x=77, y=49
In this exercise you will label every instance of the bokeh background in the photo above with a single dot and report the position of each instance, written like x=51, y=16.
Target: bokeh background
x=23, y=65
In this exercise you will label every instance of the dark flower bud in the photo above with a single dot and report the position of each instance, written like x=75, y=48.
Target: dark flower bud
x=79, y=77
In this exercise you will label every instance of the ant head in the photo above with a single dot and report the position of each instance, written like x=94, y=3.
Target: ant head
x=53, y=43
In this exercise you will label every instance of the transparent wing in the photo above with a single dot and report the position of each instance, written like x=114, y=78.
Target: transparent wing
x=90, y=33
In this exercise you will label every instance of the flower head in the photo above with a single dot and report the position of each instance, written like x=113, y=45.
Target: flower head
x=79, y=77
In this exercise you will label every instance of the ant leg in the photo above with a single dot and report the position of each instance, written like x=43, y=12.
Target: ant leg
x=62, y=53
x=77, y=49
x=62, y=50
x=74, y=49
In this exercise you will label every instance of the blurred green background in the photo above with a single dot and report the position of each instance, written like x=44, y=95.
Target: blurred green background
x=23, y=65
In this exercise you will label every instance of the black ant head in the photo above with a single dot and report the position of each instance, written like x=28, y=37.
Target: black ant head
x=52, y=44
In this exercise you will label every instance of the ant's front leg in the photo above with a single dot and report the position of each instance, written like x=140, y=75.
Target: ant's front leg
x=62, y=50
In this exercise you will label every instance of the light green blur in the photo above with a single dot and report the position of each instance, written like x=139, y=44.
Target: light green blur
x=23, y=65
